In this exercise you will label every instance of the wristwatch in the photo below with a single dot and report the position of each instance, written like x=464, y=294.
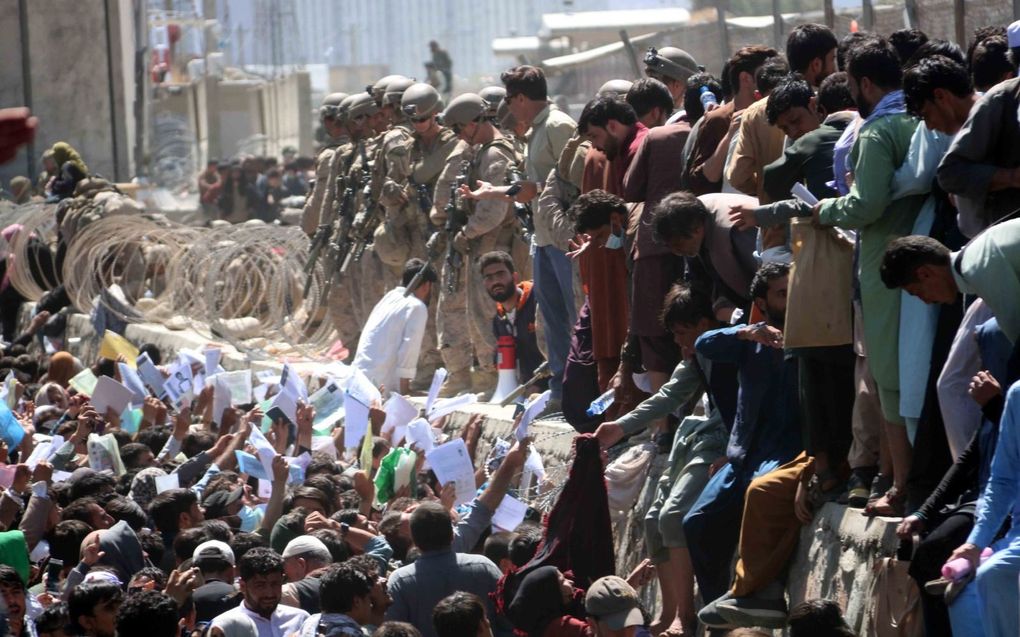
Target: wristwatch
x=344, y=528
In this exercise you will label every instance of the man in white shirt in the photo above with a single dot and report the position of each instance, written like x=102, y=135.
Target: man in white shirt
x=262, y=586
x=392, y=335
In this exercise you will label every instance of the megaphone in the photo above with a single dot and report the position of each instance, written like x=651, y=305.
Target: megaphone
x=506, y=367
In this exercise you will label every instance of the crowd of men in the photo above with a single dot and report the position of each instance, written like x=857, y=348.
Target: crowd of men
x=799, y=279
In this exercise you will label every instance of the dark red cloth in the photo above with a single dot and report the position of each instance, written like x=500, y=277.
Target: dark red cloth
x=578, y=533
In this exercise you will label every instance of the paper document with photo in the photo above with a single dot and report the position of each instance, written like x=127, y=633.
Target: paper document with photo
x=110, y=394
x=509, y=514
x=531, y=410
x=437, y=383
x=451, y=462
x=180, y=384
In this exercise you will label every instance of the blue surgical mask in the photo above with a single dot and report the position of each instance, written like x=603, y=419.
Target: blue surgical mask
x=251, y=517
x=615, y=241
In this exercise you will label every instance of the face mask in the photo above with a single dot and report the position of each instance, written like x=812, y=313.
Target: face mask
x=615, y=241
x=251, y=517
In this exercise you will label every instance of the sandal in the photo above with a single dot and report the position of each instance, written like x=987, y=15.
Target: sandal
x=818, y=495
x=890, y=505
x=879, y=485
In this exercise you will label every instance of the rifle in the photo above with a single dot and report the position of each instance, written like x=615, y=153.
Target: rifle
x=455, y=222
x=363, y=226
x=432, y=246
x=522, y=210
x=319, y=241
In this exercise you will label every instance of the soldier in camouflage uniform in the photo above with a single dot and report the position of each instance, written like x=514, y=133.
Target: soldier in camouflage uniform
x=465, y=309
x=412, y=166
x=369, y=271
x=357, y=112
x=320, y=202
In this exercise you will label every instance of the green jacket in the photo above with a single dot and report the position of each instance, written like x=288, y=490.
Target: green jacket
x=880, y=149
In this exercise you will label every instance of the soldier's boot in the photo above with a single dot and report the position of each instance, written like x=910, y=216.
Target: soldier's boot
x=483, y=381
x=456, y=383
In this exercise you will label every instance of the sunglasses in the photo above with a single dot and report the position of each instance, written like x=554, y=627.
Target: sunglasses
x=420, y=120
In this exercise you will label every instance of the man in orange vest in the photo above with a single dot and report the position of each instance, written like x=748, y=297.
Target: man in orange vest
x=514, y=321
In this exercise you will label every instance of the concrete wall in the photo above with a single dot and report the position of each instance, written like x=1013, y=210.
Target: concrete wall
x=80, y=84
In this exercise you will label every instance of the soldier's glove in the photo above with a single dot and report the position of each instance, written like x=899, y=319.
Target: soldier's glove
x=460, y=242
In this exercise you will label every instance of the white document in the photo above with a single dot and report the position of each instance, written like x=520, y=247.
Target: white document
x=325, y=444
x=359, y=396
x=531, y=410
x=39, y=454
x=180, y=386
x=451, y=462
x=801, y=192
x=284, y=405
x=104, y=453
x=129, y=376
x=212, y=360
x=150, y=375
x=265, y=450
x=326, y=400
x=57, y=443
x=355, y=422
x=399, y=412
x=167, y=482
x=221, y=398
x=362, y=389
x=419, y=434
x=110, y=394
x=445, y=406
x=239, y=384
x=509, y=514
x=437, y=383
x=252, y=466
x=292, y=383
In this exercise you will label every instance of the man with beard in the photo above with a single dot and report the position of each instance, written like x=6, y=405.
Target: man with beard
x=766, y=432
x=613, y=128
x=346, y=601
x=515, y=313
x=883, y=139
x=262, y=587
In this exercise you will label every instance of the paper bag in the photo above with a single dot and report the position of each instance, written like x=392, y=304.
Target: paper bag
x=821, y=288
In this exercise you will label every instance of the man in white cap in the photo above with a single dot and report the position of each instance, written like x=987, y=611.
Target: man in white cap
x=218, y=594
x=613, y=608
x=304, y=559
